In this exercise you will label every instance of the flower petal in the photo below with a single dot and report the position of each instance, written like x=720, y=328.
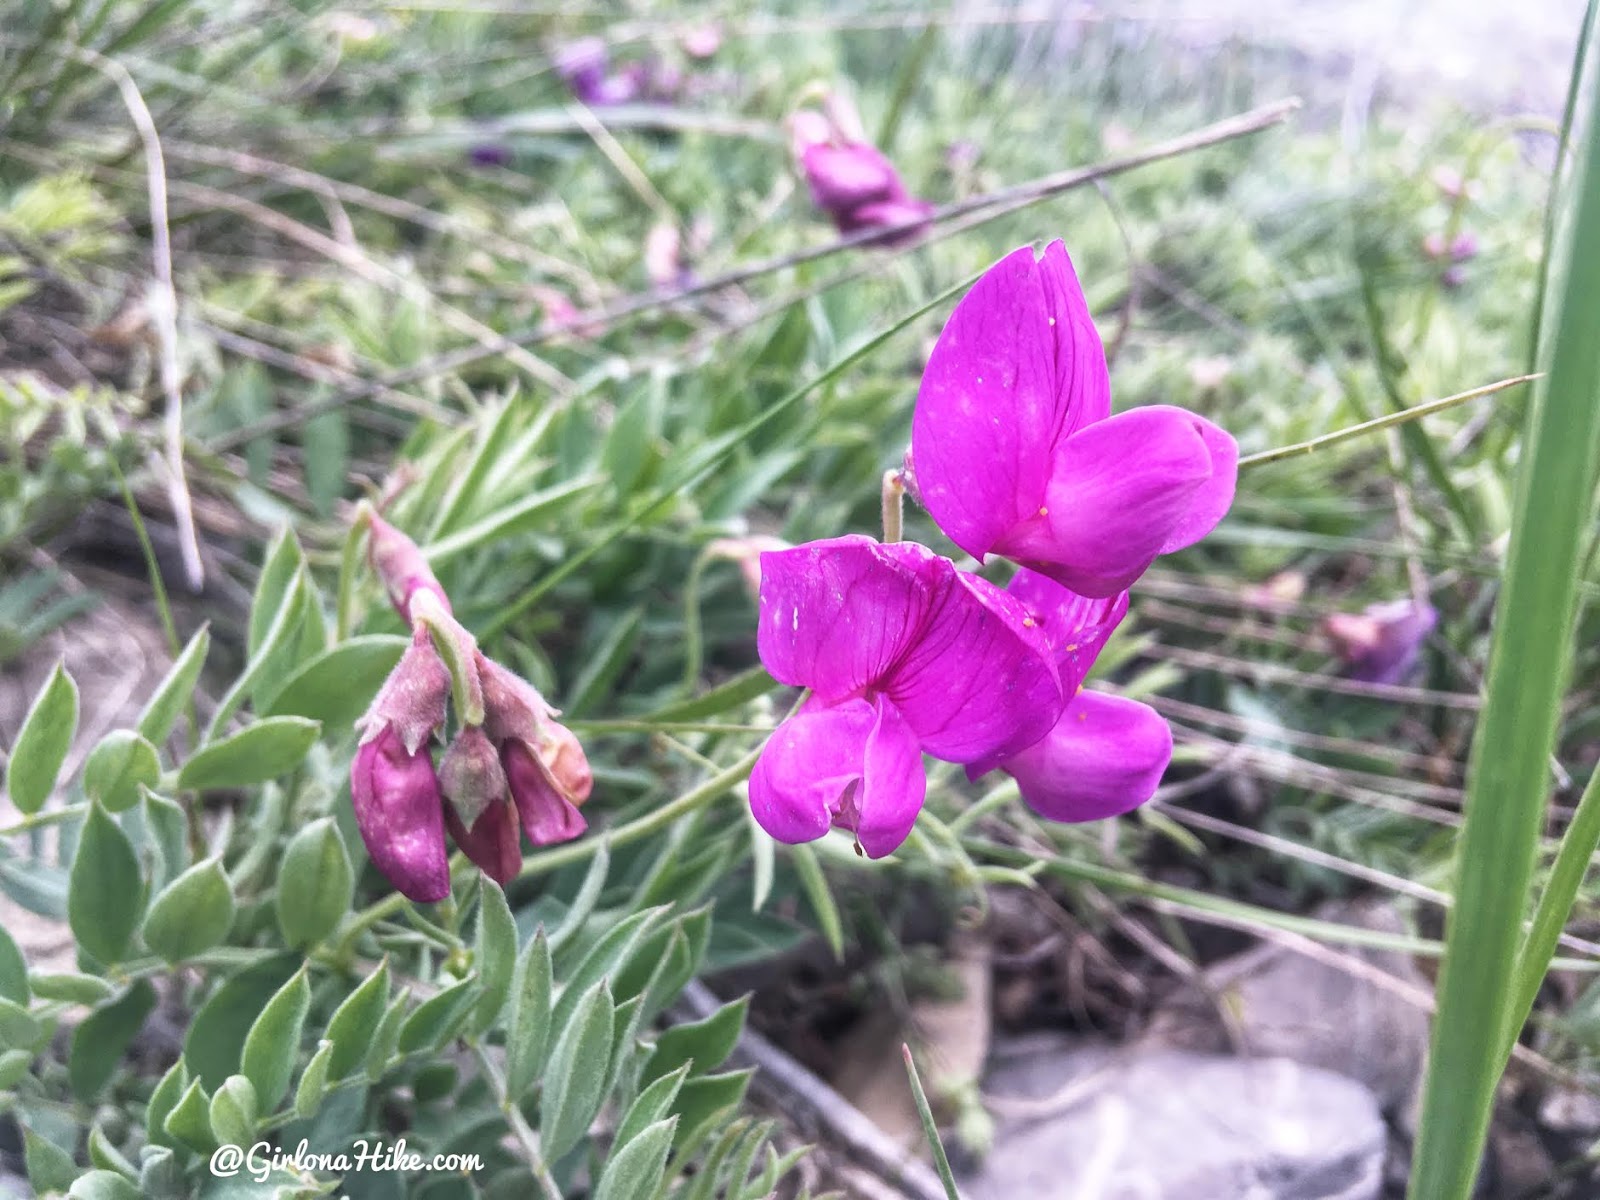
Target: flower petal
x=837, y=614
x=400, y=814
x=1018, y=368
x=855, y=765
x=980, y=682
x=1104, y=757
x=843, y=177
x=1119, y=490
x=1213, y=498
x=546, y=810
x=494, y=842
x=1075, y=627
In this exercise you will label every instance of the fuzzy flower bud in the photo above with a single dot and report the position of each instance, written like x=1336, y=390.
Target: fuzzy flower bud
x=548, y=813
x=400, y=815
x=470, y=775
x=399, y=563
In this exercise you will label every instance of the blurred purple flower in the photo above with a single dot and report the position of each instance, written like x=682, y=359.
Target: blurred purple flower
x=489, y=154
x=1382, y=643
x=852, y=181
x=903, y=654
x=1014, y=450
x=703, y=40
x=582, y=66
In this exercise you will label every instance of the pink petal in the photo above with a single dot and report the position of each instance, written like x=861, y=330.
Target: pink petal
x=1212, y=499
x=837, y=614
x=494, y=842
x=400, y=814
x=843, y=177
x=1119, y=490
x=1075, y=627
x=980, y=682
x=855, y=765
x=547, y=813
x=1018, y=368
x=1104, y=757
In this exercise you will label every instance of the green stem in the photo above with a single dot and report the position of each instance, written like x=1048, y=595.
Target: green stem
x=941, y=1161
x=39, y=820
x=532, y=1148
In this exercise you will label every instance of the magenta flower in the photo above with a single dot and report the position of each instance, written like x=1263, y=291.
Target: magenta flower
x=903, y=654
x=853, y=182
x=1105, y=755
x=400, y=814
x=1014, y=450
x=1382, y=643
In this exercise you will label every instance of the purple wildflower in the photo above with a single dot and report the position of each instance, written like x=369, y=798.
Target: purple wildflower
x=582, y=66
x=1383, y=643
x=903, y=654
x=1014, y=450
x=853, y=182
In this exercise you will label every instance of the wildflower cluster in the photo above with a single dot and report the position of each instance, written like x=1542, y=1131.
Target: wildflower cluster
x=509, y=763
x=1014, y=452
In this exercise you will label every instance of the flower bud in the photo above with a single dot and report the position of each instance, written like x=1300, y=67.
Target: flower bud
x=400, y=564
x=1382, y=643
x=494, y=843
x=548, y=816
x=513, y=708
x=400, y=815
x=470, y=775
x=412, y=700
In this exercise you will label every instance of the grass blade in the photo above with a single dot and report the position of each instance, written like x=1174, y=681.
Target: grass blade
x=1529, y=661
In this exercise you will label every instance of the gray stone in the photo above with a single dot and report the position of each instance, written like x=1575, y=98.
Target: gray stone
x=1159, y=1124
x=1350, y=1012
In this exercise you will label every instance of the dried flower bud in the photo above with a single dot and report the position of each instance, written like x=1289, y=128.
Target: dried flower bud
x=399, y=563
x=548, y=816
x=412, y=700
x=470, y=775
x=400, y=814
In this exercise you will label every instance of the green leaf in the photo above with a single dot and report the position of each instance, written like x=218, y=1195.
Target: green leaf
x=13, y=970
x=189, y=1122
x=103, y=1185
x=215, y=1042
x=163, y=1100
x=49, y=1167
x=70, y=987
x=270, y=662
x=107, y=1157
x=337, y=686
x=105, y=893
x=735, y=693
x=574, y=1084
x=99, y=1043
x=351, y=1027
x=704, y=1044
x=703, y=1101
x=650, y=1106
x=19, y=1029
x=42, y=743
x=495, y=955
x=815, y=886
x=233, y=1112
x=528, y=1026
x=168, y=825
x=191, y=914
x=118, y=768
x=438, y=1019
x=273, y=1043
x=531, y=512
x=271, y=747
x=313, y=1081
x=159, y=1173
x=176, y=690
x=315, y=884
x=606, y=661
x=280, y=570
x=608, y=957
x=434, y=1082
x=326, y=439
x=14, y=1064
x=636, y=1169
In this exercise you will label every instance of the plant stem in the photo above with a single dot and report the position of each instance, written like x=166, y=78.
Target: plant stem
x=526, y=1137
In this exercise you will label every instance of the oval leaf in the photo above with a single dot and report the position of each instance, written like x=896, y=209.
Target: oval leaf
x=352, y=1025
x=528, y=1028
x=176, y=690
x=192, y=914
x=575, y=1084
x=273, y=1043
x=13, y=971
x=42, y=744
x=271, y=747
x=495, y=955
x=100, y=1042
x=704, y=1043
x=437, y=1019
x=233, y=1112
x=103, y=1185
x=315, y=884
x=313, y=1081
x=337, y=686
x=71, y=987
x=105, y=894
x=118, y=768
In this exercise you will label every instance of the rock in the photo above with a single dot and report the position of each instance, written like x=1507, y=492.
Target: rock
x=1280, y=1003
x=1151, y=1123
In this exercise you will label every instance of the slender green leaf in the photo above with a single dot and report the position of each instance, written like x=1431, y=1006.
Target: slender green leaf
x=13, y=970
x=313, y=1085
x=273, y=1043
x=495, y=955
x=49, y=1167
x=635, y=1168
x=353, y=1023
x=175, y=691
x=439, y=1018
x=530, y=512
x=574, y=1084
x=42, y=743
x=336, y=687
x=528, y=1025
x=704, y=1044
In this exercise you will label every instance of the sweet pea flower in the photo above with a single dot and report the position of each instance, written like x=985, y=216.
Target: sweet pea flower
x=1382, y=643
x=1105, y=755
x=903, y=654
x=1014, y=450
x=852, y=181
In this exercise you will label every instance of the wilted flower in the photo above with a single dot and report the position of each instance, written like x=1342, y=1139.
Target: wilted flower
x=903, y=654
x=509, y=764
x=1383, y=643
x=1014, y=450
x=852, y=181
